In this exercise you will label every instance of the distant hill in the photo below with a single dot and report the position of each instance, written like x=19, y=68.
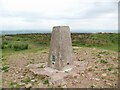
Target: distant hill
x=4, y=32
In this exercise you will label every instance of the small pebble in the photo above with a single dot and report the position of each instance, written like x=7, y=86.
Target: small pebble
x=22, y=76
x=104, y=74
x=33, y=80
x=21, y=84
x=109, y=84
x=97, y=79
x=29, y=85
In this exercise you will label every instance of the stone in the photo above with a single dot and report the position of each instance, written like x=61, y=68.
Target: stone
x=21, y=84
x=63, y=83
x=41, y=85
x=89, y=68
x=17, y=72
x=76, y=75
x=14, y=81
x=29, y=85
x=33, y=80
x=60, y=54
x=97, y=79
x=109, y=84
x=104, y=74
x=65, y=86
x=22, y=76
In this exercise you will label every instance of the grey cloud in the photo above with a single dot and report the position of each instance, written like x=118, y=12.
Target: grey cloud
x=20, y=14
x=100, y=8
x=94, y=11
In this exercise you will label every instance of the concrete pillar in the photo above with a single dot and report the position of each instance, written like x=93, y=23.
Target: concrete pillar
x=60, y=54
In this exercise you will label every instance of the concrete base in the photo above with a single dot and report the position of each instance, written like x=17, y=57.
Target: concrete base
x=55, y=76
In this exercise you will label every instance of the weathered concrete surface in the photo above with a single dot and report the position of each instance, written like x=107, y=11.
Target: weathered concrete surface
x=56, y=77
x=60, y=54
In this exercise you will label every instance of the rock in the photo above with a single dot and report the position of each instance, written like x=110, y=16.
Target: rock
x=24, y=73
x=41, y=85
x=76, y=81
x=21, y=76
x=29, y=85
x=65, y=86
x=82, y=74
x=33, y=80
x=63, y=83
x=14, y=81
x=89, y=68
x=104, y=74
x=92, y=86
x=91, y=78
x=17, y=72
x=97, y=79
x=21, y=84
x=109, y=84
x=75, y=75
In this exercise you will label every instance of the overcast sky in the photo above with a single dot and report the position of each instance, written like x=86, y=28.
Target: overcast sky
x=44, y=14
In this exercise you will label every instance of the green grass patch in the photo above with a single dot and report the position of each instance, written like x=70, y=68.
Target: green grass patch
x=14, y=85
x=46, y=82
x=5, y=68
x=26, y=81
x=20, y=46
x=110, y=69
x=41, y=42
x=103, y=61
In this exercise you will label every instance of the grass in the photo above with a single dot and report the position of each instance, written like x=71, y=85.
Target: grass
x=42, y=66
x=103, y=61
x=5, y=68
x=14, y=85
x=46, y=82
x=40, y=42
x=104, y=52
x=3, y=58
x=26, y=81
x=110, y=69
x=20, y=46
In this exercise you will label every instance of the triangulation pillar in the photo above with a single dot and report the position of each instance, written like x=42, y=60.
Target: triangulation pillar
x=60, y=54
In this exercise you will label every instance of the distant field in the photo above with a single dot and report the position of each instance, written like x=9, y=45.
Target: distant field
x=33, y=42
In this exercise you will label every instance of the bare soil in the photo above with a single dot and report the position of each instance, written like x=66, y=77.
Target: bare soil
x=96, y=68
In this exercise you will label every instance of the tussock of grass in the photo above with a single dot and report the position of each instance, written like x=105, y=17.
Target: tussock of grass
x=5, y=68
x=14, y=85
x=46, y=82
x=26, y=81
x=103, y=61
x=20, y=46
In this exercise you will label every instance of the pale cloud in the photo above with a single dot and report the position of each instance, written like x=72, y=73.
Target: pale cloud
x=44, y=14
